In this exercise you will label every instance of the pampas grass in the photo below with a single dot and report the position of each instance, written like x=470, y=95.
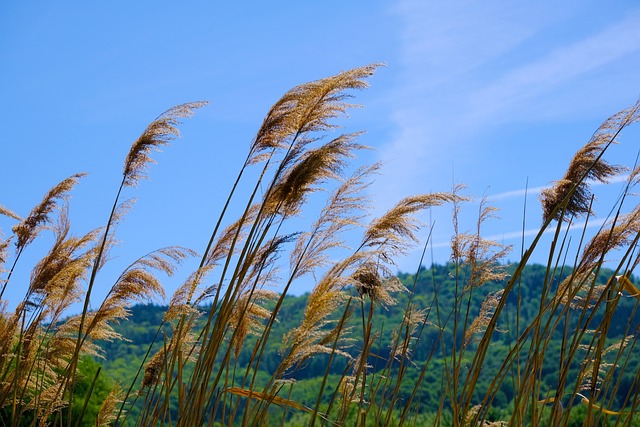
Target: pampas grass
x=206, y=365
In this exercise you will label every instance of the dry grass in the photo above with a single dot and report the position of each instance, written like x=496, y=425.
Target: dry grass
x=196, y=377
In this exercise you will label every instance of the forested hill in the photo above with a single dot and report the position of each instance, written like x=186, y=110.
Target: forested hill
x=123, y=358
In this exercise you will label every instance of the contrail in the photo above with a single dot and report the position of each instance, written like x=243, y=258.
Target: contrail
x=595, y=222
x=536, y=190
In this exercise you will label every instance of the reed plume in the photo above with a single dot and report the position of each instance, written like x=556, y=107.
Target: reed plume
x=482, y=256
x=314, y=168
x=182, y=299
x=249, y=315
x=153, y=369
x=159, y=133
x=343, y=212
x=4, y=249
x=376, y=283
x=56, y=279
x=101, y=329
x=108, y=413
x=6, y=212
x=29, y=227
x=580, y=290
x=404, y=337
x=137, y=283
x=386, y=237
x=594, y=366
x=317, y=332
x=182, y=346
x=587, y=164
x=615, y=234
x=480, y=322
x=634, y=176
x=350, y=388
x=232, y=237
x=307, y=108
x=263, y=270
x=393, y=231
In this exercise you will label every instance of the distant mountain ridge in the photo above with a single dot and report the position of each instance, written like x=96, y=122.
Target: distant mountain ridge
x=123, y=358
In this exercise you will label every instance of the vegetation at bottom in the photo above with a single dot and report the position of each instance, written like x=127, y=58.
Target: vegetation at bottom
x=473, y=342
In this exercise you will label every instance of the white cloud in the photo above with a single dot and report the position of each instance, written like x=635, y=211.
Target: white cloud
x=444, y=40
x=563, y=65
x=511, y=235
x=533, y=191
x=469, y=67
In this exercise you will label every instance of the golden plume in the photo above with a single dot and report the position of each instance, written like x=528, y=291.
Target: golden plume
x=377, y=287
x=396, y=227
x=6, y=212
x=480, y=323
x=610, y=237
x=314, y=167
x=307, y=108
x=483, y=256
x=342, y=211
x=29, y=227
x=587, y=164
x=248, y=316
x=162, y=130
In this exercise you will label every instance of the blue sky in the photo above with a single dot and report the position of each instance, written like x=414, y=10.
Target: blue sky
x=492, y=94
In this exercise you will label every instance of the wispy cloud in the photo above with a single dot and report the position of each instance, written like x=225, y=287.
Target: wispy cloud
x=563, y=64
x=467, y=68
x=595, y=222
x=533, y=191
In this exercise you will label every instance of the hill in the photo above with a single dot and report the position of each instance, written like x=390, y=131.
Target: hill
x=433, y=293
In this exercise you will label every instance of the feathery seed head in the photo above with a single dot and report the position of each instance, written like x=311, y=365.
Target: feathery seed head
x=587, y=164
x=579, y=290
x=153, y=369
x=482, y=256
x=480, y=323
x=313, y=335
x=233, y=233
x=610, y=237
x=157, y=134
x=248, y=316
x=307, y=108
x=57, y=276
x=184, y=343
x=4, y=248
x=181, y=301
x=108, y=410
x=394, y=229
x=29, y=227
x=314, y=167
x=6, y=212
x=403, y=337
x=371, y=284
x=634, y=176
x=342, y=211
x=262, y=269
x=137, y=283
